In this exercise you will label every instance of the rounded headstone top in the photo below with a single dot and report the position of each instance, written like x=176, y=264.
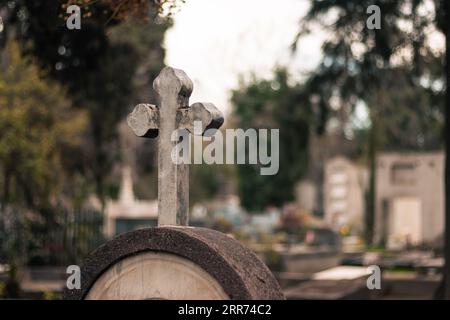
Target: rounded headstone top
x=241, y=274
x=175, y=81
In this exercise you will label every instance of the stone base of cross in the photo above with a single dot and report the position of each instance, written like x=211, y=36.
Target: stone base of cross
x=174, y=261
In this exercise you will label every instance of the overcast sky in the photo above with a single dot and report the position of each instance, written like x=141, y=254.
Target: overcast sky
x=215, y=41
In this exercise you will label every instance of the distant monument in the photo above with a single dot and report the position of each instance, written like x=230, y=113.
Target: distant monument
x=306, y=195
x=409, y=198
x=345, y=184
x=128, y=213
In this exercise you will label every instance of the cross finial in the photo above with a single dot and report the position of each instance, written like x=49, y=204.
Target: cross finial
x=174, y=88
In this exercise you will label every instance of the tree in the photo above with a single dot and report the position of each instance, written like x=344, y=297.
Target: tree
x=98, y=64
x=274, y=104
x=359, y=63
x=447, y=165
x=124, y=9
x=38, y=129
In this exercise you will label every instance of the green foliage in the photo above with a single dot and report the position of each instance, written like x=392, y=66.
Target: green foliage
x=49, y=295
x=273, y=259
x=11, y=288
x=207, y=182
x=105, y=67
x=408, y=117
x=122, y=10
x=36, y=126
x=273, y=104
x=388, y=69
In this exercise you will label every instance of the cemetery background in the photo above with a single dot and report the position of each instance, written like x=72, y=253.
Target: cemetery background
x=68, y=185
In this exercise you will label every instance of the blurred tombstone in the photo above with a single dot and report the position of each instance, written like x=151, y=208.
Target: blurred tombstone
x=306, y=195
x=345, y=185
x=410, y=198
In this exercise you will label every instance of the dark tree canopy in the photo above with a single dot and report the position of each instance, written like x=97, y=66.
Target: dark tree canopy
x=273, y=104
x=356, y=60
x=98, y=65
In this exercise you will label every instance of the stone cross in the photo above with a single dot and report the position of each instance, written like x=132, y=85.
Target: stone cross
x=174, y=88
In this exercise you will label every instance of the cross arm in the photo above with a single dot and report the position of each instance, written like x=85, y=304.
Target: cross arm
x=144, y=120
x=206, y=113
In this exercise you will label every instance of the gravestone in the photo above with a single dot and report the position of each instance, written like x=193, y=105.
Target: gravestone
x=173, y=260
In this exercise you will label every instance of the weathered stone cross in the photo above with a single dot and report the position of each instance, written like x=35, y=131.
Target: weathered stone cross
x=174, y=88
